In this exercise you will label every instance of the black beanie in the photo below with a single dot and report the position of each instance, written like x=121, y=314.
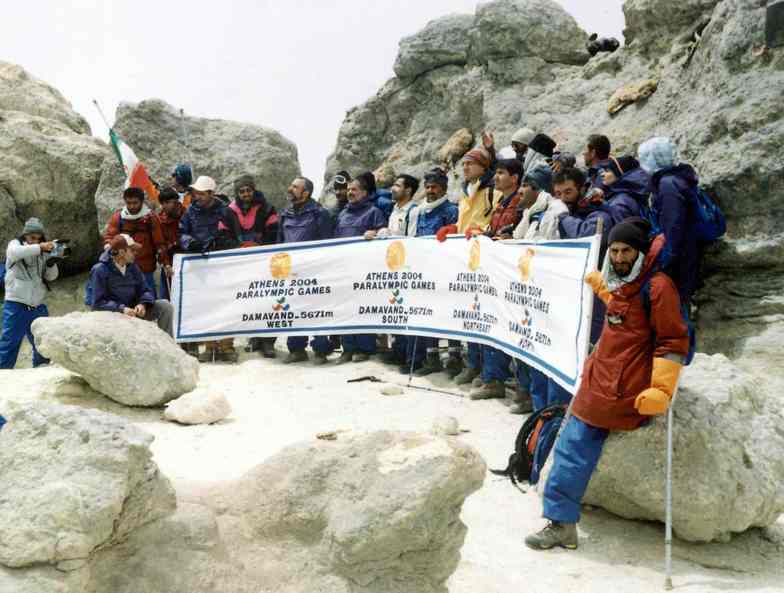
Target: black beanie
x=633, y=231
x=623, y=165
x=244, y=181
x=437, y=176
x=543, y=144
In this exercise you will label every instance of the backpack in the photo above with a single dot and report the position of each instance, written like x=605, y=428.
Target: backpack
x=645, y=294
x=710, y=223
x=533, y=444
x=2, y=276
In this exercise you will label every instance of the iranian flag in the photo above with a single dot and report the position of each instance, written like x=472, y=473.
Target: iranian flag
x=135, y=171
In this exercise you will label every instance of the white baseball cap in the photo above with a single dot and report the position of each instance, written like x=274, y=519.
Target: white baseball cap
x=204, y=183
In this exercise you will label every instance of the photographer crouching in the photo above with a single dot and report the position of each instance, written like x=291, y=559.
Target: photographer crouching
x=31, y=262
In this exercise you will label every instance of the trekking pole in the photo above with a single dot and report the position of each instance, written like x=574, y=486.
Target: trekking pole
x=100, y=112
x=413, y=358
x=668, y=500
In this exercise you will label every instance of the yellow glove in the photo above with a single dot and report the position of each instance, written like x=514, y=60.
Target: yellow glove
x=596, y=282
x=656, y=399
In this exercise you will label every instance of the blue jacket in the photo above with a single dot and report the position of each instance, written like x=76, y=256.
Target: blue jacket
x=310, y=223
x=593, y=174
x=673, y=211
x=113, y=291
x=382, y=199
x=357, y=218
x=581, y=222
x=429, y=222
x=199, y=226
x=627, y=194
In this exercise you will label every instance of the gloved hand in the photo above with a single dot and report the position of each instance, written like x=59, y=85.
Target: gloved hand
x=664, y=377
x=599, y=286
x=472, y=231
x=449, y=229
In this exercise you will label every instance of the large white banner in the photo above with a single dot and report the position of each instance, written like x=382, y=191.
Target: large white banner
x=528, y=299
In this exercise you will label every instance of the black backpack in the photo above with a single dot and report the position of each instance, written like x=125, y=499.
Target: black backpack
x=528, y=449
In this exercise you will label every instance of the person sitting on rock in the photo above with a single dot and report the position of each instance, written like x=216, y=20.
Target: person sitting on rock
x=169, y=217
x=400, y=224
x=305, y=220
x=258, y=222
x=628, y=187
x=29, y=266
x=358, y=217
x=208, y=225
x=672, y=183
x=434, y=213
x=119, y=285
x=181, y=179
x=597, y=158
x=630, y=376
x=475, y=208
x=494, y=362
x=137, y=220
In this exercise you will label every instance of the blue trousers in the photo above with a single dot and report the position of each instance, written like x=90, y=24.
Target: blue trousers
x=365, y=343
x=149, y=279
x=319, y=344
x=576, y=453
x=165, y=292
x=495, y=364
x=414, y=347
x=17, y=319
x=474, y=356
x=523, y=375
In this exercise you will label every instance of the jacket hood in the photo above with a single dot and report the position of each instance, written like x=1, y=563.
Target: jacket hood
x=650, y=266
x=216, y=205
x=363, y=204
x=683, y=171
x=311, y=204
x=636, y=183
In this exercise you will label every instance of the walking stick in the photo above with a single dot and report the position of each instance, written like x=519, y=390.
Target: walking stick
x=668, y=501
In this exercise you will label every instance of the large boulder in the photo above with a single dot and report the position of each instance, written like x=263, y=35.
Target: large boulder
x=512, y=77
x=49, y=165
x=127, y=359
x=74, y=481
x=442, y=41
x=367, y=513
x=222, y=149
x=728, y=458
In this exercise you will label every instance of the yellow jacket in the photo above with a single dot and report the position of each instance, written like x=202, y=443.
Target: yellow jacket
x=476, y=206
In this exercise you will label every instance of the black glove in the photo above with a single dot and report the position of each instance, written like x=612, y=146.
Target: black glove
x=194, y=246
x=53, y=261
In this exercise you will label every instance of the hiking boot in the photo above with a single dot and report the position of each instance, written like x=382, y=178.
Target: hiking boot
x=319, y=358
x=477, y=382
x=393, y=357
x=454, y=364
x=191, y=349
x=405, y=369
x=344, y=358
x=207, y=356
x=296, y=356
x=361, y=357
x=228, y=355
x=432, y=364
x=268, y=349
x=555, y=534
x=489, y=390
x=466, y=376
x=523, y=407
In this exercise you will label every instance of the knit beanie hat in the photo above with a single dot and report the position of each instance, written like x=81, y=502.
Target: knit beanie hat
x=633, y=231
x=437, y=176
x=543, y=144
x=623, y=165
x=540, y=178
x=523, y=136
x=183, y=175
x=244, y=181
x=657, y=153
x=479, y=155
x=33, y=226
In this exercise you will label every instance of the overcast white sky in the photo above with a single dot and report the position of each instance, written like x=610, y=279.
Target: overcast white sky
x=296, y=65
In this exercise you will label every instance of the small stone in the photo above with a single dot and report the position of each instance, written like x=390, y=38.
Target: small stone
x=446, y=426
x=392, y=390
x=200, y=406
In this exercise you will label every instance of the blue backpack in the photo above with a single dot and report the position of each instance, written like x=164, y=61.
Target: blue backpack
x=2, y=276
x=645, y=294
x=710, y=222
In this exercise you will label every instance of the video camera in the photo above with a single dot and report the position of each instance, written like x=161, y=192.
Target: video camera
x=61, y=248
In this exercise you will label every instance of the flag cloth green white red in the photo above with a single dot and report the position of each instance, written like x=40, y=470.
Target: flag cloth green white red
x=135, y=171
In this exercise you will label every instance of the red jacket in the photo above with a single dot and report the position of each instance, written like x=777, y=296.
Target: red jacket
x=170, y=230
x=146, y=231
x=505, y=213
x=620, y=366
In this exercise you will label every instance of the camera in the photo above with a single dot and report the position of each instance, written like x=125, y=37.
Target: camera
x=598, y=44
x=61, y=248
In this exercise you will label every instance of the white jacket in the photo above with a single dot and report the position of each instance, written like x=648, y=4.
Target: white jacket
x=25, y=272
x=546, y=227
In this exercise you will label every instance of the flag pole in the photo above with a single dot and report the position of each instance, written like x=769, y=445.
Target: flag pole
x=100, y=112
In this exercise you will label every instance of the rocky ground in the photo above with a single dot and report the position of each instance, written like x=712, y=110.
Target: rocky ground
x=274, y=406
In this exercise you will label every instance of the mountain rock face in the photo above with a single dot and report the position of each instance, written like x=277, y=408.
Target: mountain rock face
x=49, y=165
x=222, y=149
x=522, y=63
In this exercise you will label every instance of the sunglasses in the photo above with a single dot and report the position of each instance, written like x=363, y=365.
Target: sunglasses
x=340, y=180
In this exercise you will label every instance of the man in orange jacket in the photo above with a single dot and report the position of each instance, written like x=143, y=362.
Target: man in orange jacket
x=630, y=376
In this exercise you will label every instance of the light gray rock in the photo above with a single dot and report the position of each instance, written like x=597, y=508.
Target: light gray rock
x=368, y=513
x=127, y=359
x=445, y=426
x=443, y=41
x=49, y=165
x=727, y=465
x=723, y=110
x=222, y=149
x=200, y=406
x=74, y=480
